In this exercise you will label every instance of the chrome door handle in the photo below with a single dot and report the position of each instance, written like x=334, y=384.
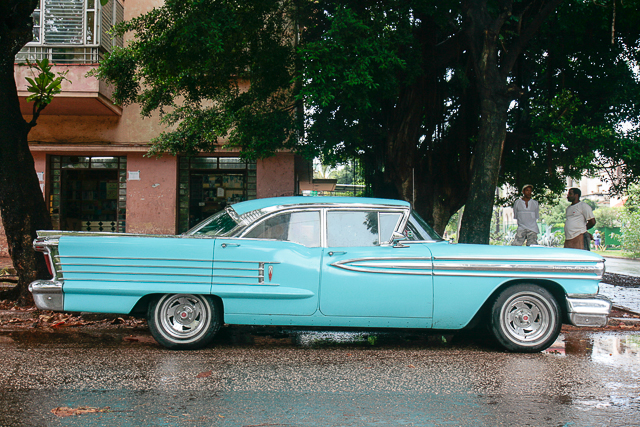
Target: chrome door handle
x=336, y=253
x=224, y=245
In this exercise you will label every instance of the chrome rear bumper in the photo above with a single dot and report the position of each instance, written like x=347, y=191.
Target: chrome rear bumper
x=592, y=311
x=47, y=294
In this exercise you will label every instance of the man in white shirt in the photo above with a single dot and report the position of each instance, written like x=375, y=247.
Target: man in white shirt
x=579, y=219
x=526, y=212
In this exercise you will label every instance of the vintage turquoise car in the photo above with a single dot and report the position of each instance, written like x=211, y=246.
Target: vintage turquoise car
x=322, y=262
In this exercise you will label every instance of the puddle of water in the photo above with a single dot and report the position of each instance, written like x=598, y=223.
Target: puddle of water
x=601, y=347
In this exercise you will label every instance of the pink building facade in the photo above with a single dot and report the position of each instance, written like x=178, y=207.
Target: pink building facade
x=90, y=153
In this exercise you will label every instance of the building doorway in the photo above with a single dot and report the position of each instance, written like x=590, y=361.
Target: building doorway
x=88, y=193
x=209, y=184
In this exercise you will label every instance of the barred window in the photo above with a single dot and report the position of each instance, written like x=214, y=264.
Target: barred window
x=73, y=31
x=76, y=22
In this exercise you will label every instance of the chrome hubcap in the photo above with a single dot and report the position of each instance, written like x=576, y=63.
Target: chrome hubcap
x=183, y=316
x=527, y=318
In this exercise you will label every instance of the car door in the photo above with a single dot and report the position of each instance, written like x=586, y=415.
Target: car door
x=274, y=269
x=363, y=276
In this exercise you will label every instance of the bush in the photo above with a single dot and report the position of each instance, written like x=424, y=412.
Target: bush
x=630, y=232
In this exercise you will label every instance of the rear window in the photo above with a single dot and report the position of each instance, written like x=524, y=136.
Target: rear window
x=219, y=225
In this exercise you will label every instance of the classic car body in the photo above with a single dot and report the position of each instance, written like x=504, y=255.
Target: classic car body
x=321, y=261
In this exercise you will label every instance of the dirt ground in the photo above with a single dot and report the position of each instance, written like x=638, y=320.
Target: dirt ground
x=621, y=280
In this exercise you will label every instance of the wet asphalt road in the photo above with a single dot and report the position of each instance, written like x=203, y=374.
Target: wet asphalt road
x=317, y=379
x=629, y=267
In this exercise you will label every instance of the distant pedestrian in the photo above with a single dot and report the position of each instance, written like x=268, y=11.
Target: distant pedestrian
x=596, y=240
x=526, y=211
x=579, y=219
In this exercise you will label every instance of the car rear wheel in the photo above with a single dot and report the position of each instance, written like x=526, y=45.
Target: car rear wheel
x=525, y=318
x=184, y=321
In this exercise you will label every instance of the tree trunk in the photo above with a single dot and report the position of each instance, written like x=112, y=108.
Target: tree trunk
x=22, y=205
x=476, y=220
x=483, y=31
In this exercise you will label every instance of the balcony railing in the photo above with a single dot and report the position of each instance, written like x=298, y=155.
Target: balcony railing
x=61, y=54
x=73, y=31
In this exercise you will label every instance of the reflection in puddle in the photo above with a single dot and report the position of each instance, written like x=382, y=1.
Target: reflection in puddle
x=315, y=339
x=601, y=347
x=622, y=347
x=306, y=338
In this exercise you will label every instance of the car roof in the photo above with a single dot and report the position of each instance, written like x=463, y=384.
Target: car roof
x=257, y=204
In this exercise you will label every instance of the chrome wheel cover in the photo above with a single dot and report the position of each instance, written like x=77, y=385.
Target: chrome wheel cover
x=527, y=318
x=183, y=317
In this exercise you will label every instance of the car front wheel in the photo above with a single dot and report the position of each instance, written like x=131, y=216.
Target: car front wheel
x=184, y=321
x=525, y=318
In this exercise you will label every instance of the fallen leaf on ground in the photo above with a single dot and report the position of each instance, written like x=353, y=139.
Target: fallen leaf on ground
x=204, y=374
x=65, y=411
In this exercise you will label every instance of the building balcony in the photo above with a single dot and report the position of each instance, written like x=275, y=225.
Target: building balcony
x=80, y=96
x=73, y=35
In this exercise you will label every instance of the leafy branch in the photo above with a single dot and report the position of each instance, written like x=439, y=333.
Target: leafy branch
x=43, y=86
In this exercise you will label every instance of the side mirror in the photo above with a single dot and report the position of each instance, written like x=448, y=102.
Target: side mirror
x=396, y=238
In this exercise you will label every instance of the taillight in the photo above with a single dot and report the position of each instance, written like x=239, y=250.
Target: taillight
x=40, y=245
x=48, y=261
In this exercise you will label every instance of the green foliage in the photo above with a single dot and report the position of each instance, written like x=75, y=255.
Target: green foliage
x=630, y=230
x=349, y=174
x=554, y=213
x=391, y=83
x=192, y=61
x=608, y=217
x=578, y=87
x=44, y=84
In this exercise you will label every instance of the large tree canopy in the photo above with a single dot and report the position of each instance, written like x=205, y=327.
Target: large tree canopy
x=425, y=93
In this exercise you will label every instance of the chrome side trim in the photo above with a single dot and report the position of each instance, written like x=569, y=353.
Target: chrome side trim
x=244, y=284
x=516, y=275
x=573, y=257
x=137, y=266
x=47, y=294
x=131, y=273
x=134, y=259
x=169, y=281
x=160, y=259
x=593, y=267
x=383, y=266
x=251, y=216
x=516, y=267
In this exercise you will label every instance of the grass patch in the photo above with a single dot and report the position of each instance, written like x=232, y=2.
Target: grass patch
x=617, y=254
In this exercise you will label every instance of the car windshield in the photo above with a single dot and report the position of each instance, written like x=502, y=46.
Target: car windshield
x=418, y=229
x=219, y=225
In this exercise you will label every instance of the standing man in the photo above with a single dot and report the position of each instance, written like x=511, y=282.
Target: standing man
x=579, y=219
x=526, y=212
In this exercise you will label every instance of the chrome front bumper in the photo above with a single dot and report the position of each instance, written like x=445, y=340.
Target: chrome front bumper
x=47, y=294
x=589, y=311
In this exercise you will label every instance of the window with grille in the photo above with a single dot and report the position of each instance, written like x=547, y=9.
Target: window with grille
x=73, y=31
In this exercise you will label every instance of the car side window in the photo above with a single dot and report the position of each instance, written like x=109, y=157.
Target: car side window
x=418, y=229
x=360, y=228
x=296, y=227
